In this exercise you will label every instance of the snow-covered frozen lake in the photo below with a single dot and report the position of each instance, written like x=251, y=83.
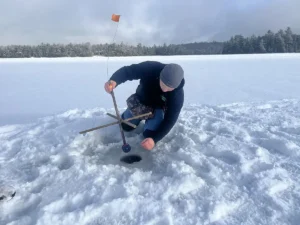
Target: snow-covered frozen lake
x=232, y=158
x=31, y=88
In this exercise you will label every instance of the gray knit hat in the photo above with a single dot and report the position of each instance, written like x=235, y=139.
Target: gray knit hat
x=172, y=75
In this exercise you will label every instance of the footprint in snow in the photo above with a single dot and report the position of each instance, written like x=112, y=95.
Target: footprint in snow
x=63, y=161
x=225, y=156
x=274, y=145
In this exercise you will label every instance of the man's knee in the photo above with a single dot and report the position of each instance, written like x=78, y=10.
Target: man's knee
x=154, y=123
x=126, y=115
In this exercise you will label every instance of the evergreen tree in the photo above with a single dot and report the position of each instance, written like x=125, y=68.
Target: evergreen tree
x=248, y=47
x=269, y=41
x=279, y=43
x=262, y=48
x=289, y=40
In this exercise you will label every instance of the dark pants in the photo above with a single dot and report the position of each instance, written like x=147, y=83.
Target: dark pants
x=151, y=124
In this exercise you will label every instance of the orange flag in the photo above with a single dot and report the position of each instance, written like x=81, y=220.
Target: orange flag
x=115, y=17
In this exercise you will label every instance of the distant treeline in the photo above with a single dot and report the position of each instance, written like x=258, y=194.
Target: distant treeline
x=280, y=42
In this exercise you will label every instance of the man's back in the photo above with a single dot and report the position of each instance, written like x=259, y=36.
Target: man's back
x=149, y=90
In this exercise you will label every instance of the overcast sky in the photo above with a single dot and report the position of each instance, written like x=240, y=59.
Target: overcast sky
x=142, y=21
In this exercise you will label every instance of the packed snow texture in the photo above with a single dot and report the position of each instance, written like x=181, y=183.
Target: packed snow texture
x=229, y=162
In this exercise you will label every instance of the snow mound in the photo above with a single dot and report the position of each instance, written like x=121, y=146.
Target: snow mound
x=228, y=164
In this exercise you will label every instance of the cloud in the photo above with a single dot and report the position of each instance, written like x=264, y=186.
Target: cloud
x=146, y=22
x=257, y=17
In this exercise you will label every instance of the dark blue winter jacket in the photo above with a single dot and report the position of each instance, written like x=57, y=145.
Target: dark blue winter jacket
x=150, y=93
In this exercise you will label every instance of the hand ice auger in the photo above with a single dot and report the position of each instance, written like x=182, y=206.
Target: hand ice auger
x=126, y=147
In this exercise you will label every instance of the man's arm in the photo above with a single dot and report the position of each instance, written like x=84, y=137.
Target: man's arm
x=170, y=118
x=133, y=72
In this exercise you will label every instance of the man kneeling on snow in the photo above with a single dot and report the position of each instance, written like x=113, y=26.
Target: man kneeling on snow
x=160, y=91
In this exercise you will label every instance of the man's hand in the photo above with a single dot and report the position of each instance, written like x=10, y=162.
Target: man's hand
x=148, y=143
x=109, y=86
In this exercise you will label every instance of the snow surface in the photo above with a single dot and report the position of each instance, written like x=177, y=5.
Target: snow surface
x=32, y=88
x=232, y=158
